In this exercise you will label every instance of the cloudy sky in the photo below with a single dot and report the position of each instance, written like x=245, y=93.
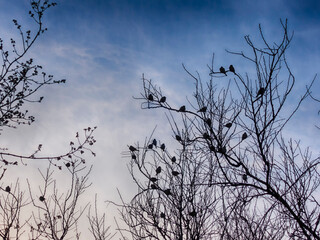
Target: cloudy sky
x=102, y=48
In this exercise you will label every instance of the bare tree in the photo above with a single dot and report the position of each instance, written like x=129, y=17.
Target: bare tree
x=235, y=176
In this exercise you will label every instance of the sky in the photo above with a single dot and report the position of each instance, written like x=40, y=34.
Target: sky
x=102, y=48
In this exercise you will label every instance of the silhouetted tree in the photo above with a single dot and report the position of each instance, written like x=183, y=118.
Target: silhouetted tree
x=236, y=176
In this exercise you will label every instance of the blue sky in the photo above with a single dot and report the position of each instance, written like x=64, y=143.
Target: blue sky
x=102, y=47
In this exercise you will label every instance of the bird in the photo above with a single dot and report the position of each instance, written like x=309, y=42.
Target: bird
x=182, y=109
x=167, y=192
x=178, y=138
x=163, y=99
x=41, y=198
x=231, y=69
x=208, y=121
x=163, y=146
x=150, y=146
x=244, y=136
x=67, y=164
x=175, y=173
x=8, y=189
x=193, y=213
x=162, y=215
x=206, y=136
x=133, y=156
x=132, y=148
x=154, y=142
x=228, y=125
x=153, y=179
x=173, y=159
x=203, y=109
x=245, y=177
x=261, y=91
x=222, y=70
x=158, y=170
x=150, y=97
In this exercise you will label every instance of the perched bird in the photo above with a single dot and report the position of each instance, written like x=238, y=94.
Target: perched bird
x=212, y=148
x=158, y=170
x=203, y=109
x=261, y=91
x=41, y=198
x=245, y=177
x=222, y=70
x=150, y=97
x=162, y=215
x=182, y=109
x=173, y=159
x=153, y=179
x=206, y=136
x=150, y=146
x=154, y=142
x=163, y=146
x=231, y=69
x=175, y=173
x=208, y=121
x=163, y=99
x=228, y=125
x=132, y=148
x=167, y=192
x=244, y=136
x=178, y=138
x=193, y=213
x=67, y=164
x=133, y=156
x=222, y=150
x=8, y=189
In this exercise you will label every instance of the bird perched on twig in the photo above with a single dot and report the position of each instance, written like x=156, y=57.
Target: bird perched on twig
x=231, y=69
x=150, y=97
x=8, y=189
x=222, y=70
x=182, y=109
x=244, y=136
x=162, y=99
x=163, y=146
x=158, y=170
x=228, y=125
x=261, y=92
x=132, y=148
x=203, y=109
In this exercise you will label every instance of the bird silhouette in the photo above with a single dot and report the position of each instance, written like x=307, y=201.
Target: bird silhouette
x=244, y=136
x=173, y=159
x=67, y=164
x=8, y=189
x=162, y=215
x=41, y=198
x=231, y=69
x=154, y=142
x=158, y=170
x=206, y=135
x=203, y=109
x=208, y=121
x=150, y=97
x=132, y=148
x=153, y=179
x=163, y=99
x=222, y=70
x=178, y=138
x=167, y=192
x=175, y=173
x=182, y=109
x=193, y=213
x=261, y=91
x=228, y=125
x=245, y=177
x=150, y=146
x=163, y=146
x=133, y=156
